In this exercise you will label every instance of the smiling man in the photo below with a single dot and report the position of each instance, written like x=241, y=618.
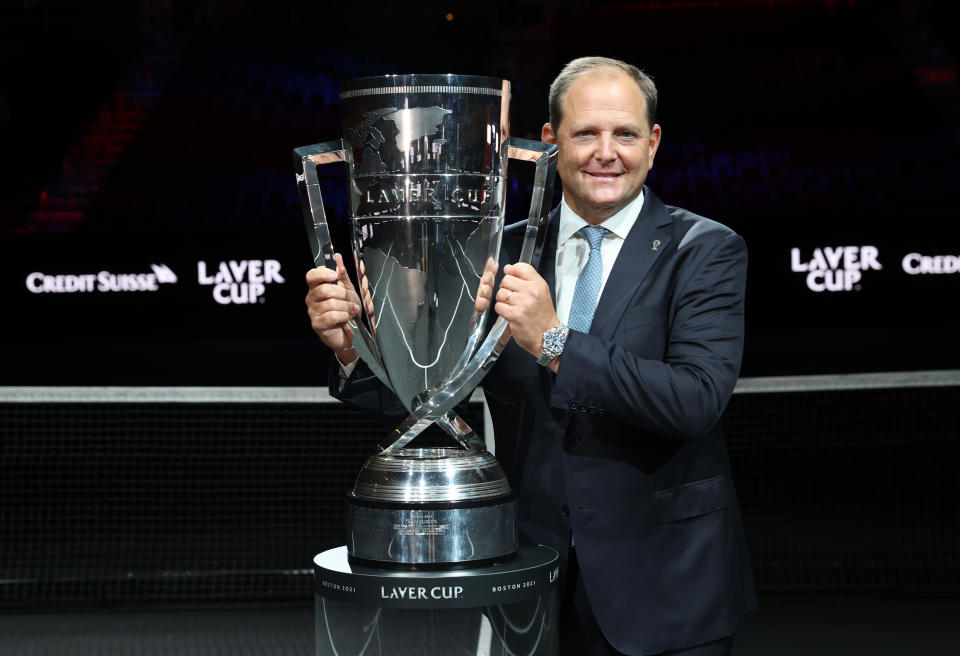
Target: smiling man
x=636, y=316
x=606, y=403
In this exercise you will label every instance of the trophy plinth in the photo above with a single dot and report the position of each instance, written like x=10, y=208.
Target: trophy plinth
x=439, y=506
x=426, y=157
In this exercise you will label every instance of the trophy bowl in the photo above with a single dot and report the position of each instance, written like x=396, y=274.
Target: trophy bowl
x=426, y=159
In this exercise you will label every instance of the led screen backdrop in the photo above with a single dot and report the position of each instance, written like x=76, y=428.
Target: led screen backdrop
x=151, y=232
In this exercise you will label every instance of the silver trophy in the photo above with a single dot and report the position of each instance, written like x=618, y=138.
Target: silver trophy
x=426, y=159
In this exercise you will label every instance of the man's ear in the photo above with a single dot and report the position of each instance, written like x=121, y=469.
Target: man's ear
x=653, y=143
x=547, y=135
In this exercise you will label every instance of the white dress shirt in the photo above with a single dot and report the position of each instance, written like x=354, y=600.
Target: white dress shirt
x=573, y=250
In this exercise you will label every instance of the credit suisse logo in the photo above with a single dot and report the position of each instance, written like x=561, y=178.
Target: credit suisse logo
x=104, y=282
x=917, y=264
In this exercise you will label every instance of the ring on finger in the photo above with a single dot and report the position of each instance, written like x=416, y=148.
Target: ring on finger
x=509, y=294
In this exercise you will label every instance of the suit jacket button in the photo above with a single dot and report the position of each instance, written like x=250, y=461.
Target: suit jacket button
x=574, y=406
x=593, y=409
x=583, y=409
x=564, y=512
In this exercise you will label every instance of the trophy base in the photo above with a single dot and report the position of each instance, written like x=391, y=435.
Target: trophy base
x=432, y=535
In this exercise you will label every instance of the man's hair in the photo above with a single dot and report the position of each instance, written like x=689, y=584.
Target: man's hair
x=578, y=67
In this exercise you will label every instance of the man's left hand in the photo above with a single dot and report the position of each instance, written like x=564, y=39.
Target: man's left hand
x=524, y=300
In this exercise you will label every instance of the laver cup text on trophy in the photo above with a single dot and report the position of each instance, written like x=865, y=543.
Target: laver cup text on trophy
x=426, y=157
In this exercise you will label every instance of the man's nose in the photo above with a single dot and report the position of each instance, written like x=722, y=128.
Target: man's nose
x=606, y=148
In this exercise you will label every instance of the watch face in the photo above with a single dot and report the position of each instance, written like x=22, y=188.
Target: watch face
x=553, y=341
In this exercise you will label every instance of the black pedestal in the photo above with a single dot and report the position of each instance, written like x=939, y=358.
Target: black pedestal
x=499, y=610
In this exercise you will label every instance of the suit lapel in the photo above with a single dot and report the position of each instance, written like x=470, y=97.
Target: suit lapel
x=636, y=256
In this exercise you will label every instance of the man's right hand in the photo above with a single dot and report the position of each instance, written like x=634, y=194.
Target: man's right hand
x=331, y=302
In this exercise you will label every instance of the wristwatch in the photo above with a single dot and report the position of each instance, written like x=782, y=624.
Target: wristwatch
x=553, y=342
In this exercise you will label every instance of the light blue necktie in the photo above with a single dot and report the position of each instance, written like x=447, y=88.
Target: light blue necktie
x=587, y=291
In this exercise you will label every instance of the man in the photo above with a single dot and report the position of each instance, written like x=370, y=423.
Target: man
x=626, y=345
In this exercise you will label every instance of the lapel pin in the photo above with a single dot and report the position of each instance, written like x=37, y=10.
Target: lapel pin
x=655, y=245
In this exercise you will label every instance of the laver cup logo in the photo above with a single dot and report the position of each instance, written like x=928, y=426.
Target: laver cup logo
x=103, y=282
x=429, y=194
x=421, y=592
x=239, y=282
x=835, y=268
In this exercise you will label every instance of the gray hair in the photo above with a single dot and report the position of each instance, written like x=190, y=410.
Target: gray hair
x=578, y=67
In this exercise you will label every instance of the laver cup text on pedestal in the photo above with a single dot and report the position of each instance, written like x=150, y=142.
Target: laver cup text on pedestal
x=426, y=157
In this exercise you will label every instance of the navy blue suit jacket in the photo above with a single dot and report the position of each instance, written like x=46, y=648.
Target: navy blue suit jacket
x=622, y=448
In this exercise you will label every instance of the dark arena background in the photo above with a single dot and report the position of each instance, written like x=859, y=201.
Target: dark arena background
x=170, y=461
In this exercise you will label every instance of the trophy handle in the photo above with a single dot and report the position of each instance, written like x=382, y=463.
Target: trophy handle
x=306, y=159
x=447, y=396
x=544, y=156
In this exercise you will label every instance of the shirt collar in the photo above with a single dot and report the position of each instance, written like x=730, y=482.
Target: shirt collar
x=619, y=224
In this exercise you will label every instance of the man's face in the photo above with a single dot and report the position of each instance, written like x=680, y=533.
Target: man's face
x=606, y=148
